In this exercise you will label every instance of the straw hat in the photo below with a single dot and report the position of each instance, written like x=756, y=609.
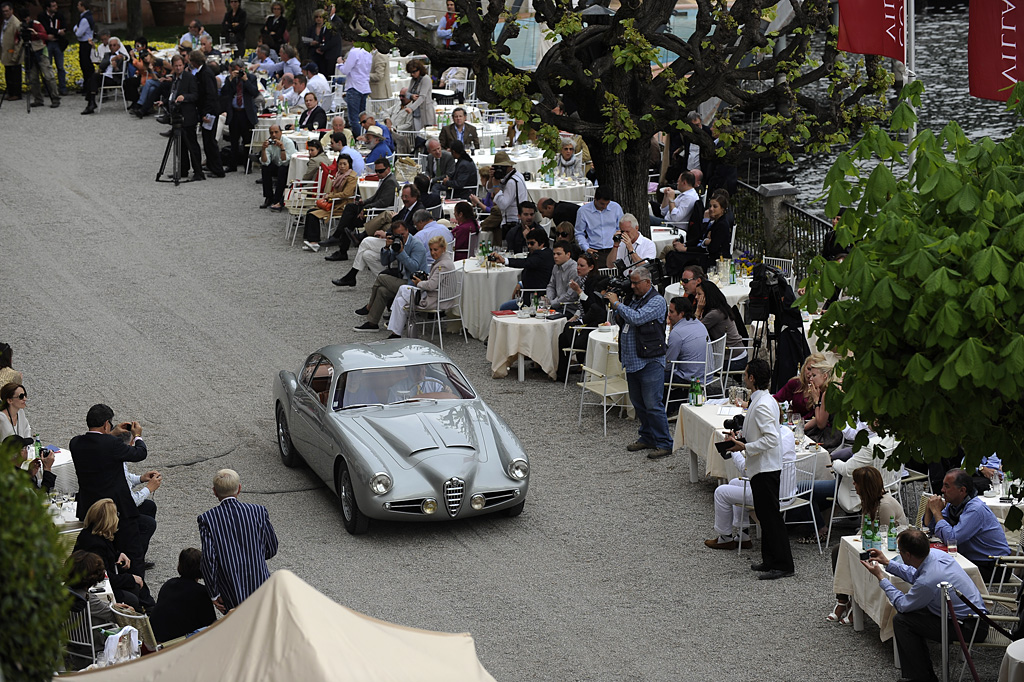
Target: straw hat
x=375, y=130
x=501, y=159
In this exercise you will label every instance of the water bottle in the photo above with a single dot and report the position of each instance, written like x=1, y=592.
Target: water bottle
x=732, y=272
x=699, y=393
x=891, y=540
x=492, y=145
x=876, y=536
x=865, y=534
x=37, y=447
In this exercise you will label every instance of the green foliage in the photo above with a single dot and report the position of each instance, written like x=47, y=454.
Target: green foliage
x=33, y=601
x=929, y=329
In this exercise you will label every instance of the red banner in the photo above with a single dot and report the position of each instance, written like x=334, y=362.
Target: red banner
x=993, y=49
x=873, y=27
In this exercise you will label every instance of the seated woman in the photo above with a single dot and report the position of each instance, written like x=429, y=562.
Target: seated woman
x=316, y=158
x=343, y=189
x=184, y=605
x=712, y=241
x=13, y=420
x=462, y=182
x=7, y=371
x=589, y=310
x=878, y=505
x=314, y=117
x=819, y=427
x=570, y=164
x=797, y=390
x=421, y=293
x=86, y=570
x=714, y=311
x=97, y=536
x=465, y=226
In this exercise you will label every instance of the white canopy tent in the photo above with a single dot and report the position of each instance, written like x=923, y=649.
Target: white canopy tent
x=287, y=630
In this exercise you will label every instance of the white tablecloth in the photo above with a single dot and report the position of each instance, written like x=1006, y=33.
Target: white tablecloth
x=483, y=290
x=662, y=237
x=526, y=162
x=599, y=343
x=1012, y=668
x=485, y=132
x=510, y=336
x=852, y=578
x=734, y=293
x=557, y=192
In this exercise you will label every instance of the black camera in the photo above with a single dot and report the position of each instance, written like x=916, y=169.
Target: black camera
x=396, y=245
x=420, y=275
x=733, y=423
x=493, y=257
x=499, y=172
x=617, y=237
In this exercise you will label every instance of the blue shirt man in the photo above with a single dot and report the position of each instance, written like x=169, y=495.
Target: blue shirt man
x=597, y=222
x=642, y=353
x=965, y=520
x=687, y=342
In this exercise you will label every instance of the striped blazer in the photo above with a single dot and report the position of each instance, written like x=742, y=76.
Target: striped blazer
x=237, y=541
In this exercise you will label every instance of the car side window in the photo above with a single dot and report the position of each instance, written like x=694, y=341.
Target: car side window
x=320, y=383
x=308, y=369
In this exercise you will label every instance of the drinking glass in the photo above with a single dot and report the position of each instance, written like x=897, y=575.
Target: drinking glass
x=951, y=548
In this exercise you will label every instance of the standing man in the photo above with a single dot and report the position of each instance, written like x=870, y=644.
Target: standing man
x=237, y=541
x=182, y=100
x=965, y=520
x=239, y=92
x=380, y=80
x=762, y=447
x=208, y=106
x=56, y=42
x=920, y=611
x=596, y=222
x=509, y=191
x=10, y=57
x=356, y=68
x=37, y=67
x=642, y=350
x=99, y=458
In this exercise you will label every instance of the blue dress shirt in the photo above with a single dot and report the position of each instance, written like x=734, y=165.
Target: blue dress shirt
x=978, y=534
x=924, y=593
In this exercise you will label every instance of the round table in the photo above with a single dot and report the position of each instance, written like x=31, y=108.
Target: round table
x=735, y=294
x=483, y=290
x=602, y=350
x=527, y=160
x=511, y=337
x=1012, y=668
x=558, y=192
x=661, y=237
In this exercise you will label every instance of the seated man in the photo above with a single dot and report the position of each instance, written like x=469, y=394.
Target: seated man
x=428, y=228
x=183, y=605
x=409, y=256
x=536, y=267
x=439, y=164
x=274, y=158
x=920, y=611
x=288, y=94
x=557, y=212
x=366, y=120
x=418, y=385
x=459, y=130
x=316, y=81
x=289, y=63
x=632, y=247
x=353, y=216
x=110, y=68
x=966, y=521
x=515, y=236
x=378, y=147
x=563, y=274
x=731, y=519
x=687, y=342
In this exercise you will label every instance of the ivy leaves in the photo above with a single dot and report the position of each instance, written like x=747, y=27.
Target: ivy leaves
x=929, y=328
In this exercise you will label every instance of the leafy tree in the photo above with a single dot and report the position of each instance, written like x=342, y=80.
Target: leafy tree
x=810, y=98
x=929, y=330
x=33, y=601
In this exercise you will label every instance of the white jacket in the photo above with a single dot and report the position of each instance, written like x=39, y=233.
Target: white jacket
x=846, y=496
x=761, y=429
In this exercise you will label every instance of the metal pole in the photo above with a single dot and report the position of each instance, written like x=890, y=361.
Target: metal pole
x=945, y=587
x=908, y=8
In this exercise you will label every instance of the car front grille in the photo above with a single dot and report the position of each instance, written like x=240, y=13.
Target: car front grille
x=497, y=497
x=406, y=506
x=453, y=491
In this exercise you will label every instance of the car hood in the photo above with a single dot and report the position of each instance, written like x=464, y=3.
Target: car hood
x=416, y=433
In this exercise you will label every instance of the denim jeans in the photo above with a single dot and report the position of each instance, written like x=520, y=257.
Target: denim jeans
x=57, y=56
x=148, y=88
x=355, y=101
x=646, y=390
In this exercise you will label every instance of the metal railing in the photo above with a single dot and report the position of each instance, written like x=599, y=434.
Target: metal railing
x=804, y=236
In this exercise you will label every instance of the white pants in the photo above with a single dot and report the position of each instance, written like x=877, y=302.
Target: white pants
x=399, y=312
x=368, y=256
x=728, y=516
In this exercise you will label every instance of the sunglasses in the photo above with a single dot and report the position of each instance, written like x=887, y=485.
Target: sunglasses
x=687, y=280
x=21, y=396
x=531, y=243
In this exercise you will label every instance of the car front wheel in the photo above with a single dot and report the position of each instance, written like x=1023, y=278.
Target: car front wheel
x=289, y=456
x=355, y=521
x=514, y=511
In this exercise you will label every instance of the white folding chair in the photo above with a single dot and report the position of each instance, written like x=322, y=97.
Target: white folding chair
x=574, y=352
x=803, y=472
x=716, y=355
x=783, y=265
x=471, y=247
x=611, y=388
x=674, y=382
x=79, y=629
x=738, y=373
x=608, y=272
x=382, y=108
x=449, y=298
x=300, y=199
x=114, y=84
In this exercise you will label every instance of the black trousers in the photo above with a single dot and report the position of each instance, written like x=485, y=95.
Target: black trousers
x=775, y=551
x=147, y=524
x=12, y=74
x=913, y=630
x=191, y=157
x=349, y=220
x=274, y=180
x=84, y=61
x=239, y=134
x=129, y=540
x=212, y=150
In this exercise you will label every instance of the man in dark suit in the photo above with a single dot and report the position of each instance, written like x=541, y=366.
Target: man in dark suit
x=239, y=93
x=182, y=100
x=208, y=106
x=237, y=541
x=458, y=129
x=368, y=255
x=558, y=211
x=99, y=458
x=439, y=165
x=353, y=215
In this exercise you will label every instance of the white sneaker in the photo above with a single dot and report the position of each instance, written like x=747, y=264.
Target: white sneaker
x=310, y=246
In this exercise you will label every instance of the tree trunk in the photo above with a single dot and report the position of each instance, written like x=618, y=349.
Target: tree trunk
x=302, y=24
x=625, y=174
x=134, y=21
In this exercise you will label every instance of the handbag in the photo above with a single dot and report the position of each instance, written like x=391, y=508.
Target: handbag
x=324, y=205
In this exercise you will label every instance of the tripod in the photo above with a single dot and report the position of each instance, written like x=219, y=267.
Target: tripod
x=173, y=147
x=35, y=72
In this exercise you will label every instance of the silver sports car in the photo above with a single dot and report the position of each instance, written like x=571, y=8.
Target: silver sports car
x=399, y=433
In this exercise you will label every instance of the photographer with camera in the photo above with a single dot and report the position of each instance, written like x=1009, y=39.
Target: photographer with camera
x=239, y=95
x=208, y=111
x=509, y=191
x=402, y=257
x=630, y=246
x=99, y=456
x=110, y=67
x=641, y=319
x=275, y=156
x=32, y=38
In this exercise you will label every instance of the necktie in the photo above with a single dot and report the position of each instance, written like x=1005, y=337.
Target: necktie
x=238, y=94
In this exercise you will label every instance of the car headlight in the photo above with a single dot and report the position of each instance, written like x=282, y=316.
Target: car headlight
x=429, y=506
x=519, y=469
x=380, y=484
x=477, y=502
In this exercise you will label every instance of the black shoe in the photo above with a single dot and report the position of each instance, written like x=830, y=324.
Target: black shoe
x=166, y=133
x=217, y=175
x=89, y=108
x=363, y=312
x=330, y=241
x=149, y=565
x=775, y=574
x=54, y=103
x=163, y=118
x=197, y=177
x=337, y=255
x=759, y=567
x=266, y=204
x=367, y=327
x=37, y=104
x=394, y=336
x=343, y=282
x=230, y=169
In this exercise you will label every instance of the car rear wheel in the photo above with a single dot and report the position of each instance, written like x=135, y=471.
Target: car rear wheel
x=355, y=521
x=514, y=511
x=289, y=456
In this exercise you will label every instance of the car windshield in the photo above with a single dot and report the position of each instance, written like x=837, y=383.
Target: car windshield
x=392, y=385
